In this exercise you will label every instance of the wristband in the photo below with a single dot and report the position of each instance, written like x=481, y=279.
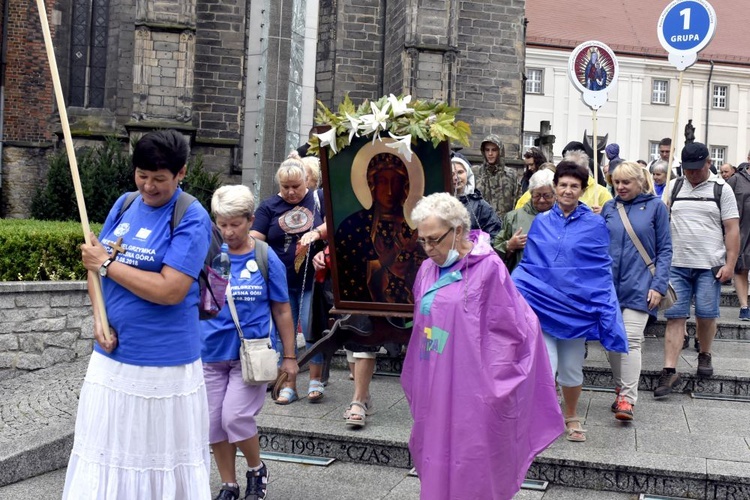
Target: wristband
x=290, y=357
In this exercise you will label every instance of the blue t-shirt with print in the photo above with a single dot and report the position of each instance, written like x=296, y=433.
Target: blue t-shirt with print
x=252, y=298
x=283, y=224
x=151, y=334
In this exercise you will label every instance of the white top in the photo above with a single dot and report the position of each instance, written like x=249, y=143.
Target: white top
x=697, y=236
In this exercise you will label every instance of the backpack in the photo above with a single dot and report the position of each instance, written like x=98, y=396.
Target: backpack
x=678, y=185
x=184, y=200
x=716, y=199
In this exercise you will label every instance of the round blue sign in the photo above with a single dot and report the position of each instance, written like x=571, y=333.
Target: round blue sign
x=687, y=25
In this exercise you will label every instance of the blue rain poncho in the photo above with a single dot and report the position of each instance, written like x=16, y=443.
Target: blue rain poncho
x=566, y=277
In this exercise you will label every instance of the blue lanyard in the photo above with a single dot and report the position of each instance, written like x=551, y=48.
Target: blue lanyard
x=429, y=297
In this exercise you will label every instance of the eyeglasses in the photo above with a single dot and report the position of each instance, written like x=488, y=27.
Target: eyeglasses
x=546, y=196
x=433, y=242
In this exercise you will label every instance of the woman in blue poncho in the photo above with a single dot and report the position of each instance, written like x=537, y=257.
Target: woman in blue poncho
x=566, y=278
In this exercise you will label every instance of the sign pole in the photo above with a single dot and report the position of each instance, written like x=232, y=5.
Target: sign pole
x=674, y=133
x=685, y=27
x=95, y=279
x=596, y=148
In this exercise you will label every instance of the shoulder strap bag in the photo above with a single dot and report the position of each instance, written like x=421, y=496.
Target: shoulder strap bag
x=257, y=358
x=671, y=296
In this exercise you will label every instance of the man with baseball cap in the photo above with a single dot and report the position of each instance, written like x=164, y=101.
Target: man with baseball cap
x=703, y=257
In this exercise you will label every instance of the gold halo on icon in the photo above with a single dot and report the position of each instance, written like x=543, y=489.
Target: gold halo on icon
x=359, y=175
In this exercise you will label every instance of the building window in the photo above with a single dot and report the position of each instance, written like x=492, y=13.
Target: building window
x=720, y=97
x=653, y=150
x=88, y=53
x=660, y=92
x=528, y=140
x=718, y=154
x=534, y=79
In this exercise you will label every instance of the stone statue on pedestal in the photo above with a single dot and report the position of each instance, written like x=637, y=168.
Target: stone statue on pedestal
x=689, y=132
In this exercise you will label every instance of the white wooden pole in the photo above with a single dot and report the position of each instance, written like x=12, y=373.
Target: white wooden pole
x=674, y=135
x=96, y=281
x=596, y=152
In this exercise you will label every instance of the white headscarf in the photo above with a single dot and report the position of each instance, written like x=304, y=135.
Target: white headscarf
x=469, y=189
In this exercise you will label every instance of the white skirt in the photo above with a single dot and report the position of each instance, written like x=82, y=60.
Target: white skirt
x=141, y=433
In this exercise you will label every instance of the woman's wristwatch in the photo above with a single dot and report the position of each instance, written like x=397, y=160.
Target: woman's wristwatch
x=105, y=265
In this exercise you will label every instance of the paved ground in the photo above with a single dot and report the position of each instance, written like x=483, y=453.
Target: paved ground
x=339, y=481
x=683, y=434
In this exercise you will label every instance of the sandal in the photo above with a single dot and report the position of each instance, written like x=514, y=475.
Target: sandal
x=316, y=386
x=577, y=435
x=369, y=409
x=289, y=395
x=357, y=412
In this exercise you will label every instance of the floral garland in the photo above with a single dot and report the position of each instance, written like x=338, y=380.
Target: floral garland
x=404, y=121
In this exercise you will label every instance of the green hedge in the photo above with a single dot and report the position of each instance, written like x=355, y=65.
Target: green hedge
x=32, y=250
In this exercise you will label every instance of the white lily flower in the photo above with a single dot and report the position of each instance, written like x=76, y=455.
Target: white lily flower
x=354, y=124
x=399, y=106
x=328, y=139
x=402, y=145
x=375, y=122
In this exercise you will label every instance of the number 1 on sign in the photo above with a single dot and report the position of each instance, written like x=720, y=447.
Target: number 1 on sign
x=685, y=13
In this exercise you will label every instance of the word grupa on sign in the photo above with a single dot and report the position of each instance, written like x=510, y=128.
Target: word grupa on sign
x=692, y=37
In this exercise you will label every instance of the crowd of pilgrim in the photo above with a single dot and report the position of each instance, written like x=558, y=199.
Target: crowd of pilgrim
x=518, y=274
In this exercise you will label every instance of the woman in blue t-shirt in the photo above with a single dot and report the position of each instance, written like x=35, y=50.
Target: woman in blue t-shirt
x=142, y=422
x=260, y=304
x=291, y=221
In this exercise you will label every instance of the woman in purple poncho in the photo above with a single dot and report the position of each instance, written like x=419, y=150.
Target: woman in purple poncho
x=476, y=375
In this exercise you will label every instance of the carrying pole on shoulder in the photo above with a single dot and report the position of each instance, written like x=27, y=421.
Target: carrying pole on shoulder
x=96, y=280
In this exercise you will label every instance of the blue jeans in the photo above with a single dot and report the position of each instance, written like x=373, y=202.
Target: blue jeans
x=698, y=283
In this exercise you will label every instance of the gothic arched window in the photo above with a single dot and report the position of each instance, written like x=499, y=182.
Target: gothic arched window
x=88, y=54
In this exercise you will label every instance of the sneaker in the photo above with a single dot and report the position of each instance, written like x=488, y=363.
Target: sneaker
x=667, y=382
x=228, y=493
x=623, y=409
x=705, y=368
x=745, y=313
x=686, y=342
x=257, y=483
x=617, y=398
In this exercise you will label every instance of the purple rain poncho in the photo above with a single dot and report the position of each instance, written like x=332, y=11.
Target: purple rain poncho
x=477, y=379
x=566, y=277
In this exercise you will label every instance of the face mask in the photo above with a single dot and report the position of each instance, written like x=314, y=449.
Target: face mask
x=452, y=254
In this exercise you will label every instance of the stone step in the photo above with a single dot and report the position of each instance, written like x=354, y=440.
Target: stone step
x=729, y=326
x=731, y=360
x=302, y=481
x=679, y=447
x=729, y=297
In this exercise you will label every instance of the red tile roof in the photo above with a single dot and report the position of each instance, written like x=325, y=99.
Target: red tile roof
x=629, y=27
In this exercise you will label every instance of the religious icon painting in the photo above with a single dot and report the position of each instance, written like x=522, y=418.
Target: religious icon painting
x=371, y=188
x=593, y=69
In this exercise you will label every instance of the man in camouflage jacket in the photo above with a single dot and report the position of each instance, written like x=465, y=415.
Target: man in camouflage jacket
x=495, y=181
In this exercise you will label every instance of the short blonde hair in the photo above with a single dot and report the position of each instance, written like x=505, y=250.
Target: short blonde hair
x=444, y=207
x=233, y=201
x=291, y=168
x=633, y=170
x=313, y=164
